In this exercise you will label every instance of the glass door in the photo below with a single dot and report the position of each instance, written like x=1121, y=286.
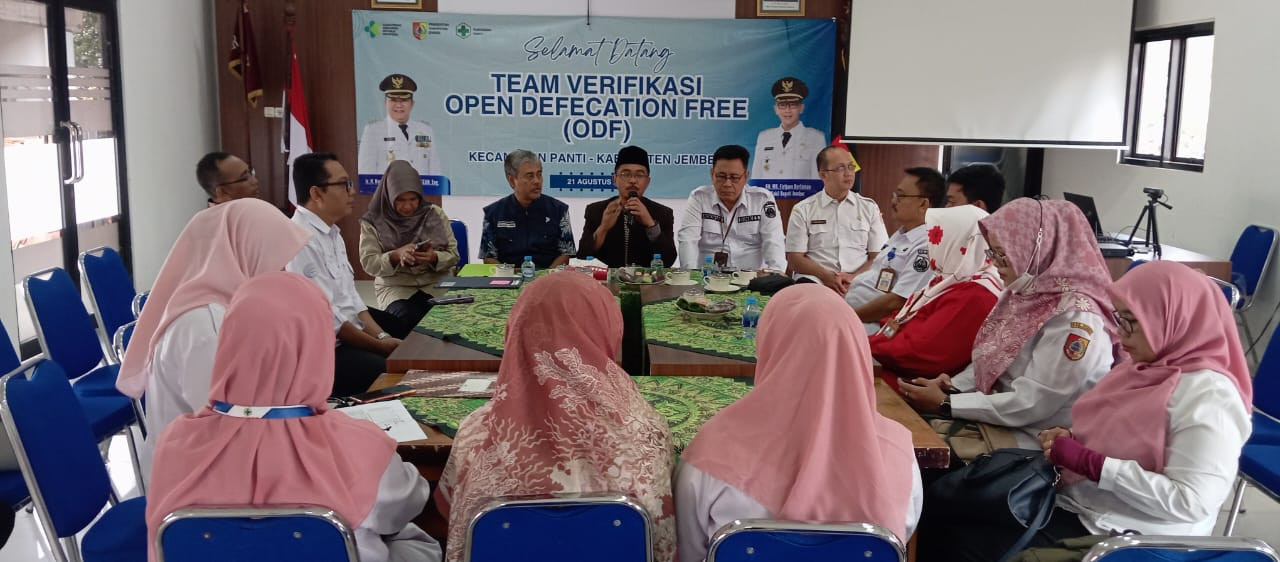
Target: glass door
x=59, y=115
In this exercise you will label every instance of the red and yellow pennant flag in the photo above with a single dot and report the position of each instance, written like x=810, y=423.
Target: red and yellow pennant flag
x=243, y=60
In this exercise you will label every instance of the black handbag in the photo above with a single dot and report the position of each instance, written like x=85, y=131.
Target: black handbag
x=1005, y=487
x=769, y=284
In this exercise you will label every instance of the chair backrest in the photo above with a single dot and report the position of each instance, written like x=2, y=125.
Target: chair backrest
x=55, y=447
x=572, y=528
x=759, y=540
x=1251, y=256
x=8, y=356
x=120, y=341
x=1135, y=263
x=111, y=289
x=1266, y=380
x=460, y=234
x=277, y=533
x=1156, y=548
x=67, y=334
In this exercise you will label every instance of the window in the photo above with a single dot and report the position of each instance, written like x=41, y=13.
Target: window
x=1169, y=97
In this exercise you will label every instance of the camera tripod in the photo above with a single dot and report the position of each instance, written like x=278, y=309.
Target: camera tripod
x=1152, y=239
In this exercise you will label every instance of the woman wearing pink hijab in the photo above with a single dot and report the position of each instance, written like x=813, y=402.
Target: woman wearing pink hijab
x=1050, y=336
x=564, y=417
x=266, y=436
x=814, y=378
x=171, y=354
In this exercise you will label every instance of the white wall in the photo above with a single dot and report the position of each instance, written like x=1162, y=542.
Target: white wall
x=171, y=119
x=1237, y=186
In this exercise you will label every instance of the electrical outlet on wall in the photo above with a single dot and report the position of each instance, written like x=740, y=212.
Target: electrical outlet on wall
x=273, y=112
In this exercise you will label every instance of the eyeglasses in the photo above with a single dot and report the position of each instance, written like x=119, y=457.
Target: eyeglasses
x=246, y=176
x=735, y=178
x=346, y=182
x=788, y=104
x=1127, y=324
x=899, y=195
x=997, y=257
x=842, y=169
x=633, y=175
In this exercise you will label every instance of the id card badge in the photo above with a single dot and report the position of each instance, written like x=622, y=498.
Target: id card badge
x=721, y=259
x=885, y=282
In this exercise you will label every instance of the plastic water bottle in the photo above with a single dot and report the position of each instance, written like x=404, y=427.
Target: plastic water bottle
x=707, y=268
x=527, y=268
x=586, y=269
x=656, y=264
x=750, y=317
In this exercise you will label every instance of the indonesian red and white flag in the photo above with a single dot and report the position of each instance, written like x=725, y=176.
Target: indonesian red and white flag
x=297, y=132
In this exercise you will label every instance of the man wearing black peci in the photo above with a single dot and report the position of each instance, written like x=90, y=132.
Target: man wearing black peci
x=629, y=229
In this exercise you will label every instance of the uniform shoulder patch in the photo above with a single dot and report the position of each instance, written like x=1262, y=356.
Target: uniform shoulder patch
x=771, y=209
x=1075, y=347
x=1082, y=327
x=921, y=263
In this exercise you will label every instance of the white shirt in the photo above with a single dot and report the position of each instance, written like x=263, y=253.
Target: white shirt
x=1208, y=425
x=388, y=534
x=382, y=141
x=797, y=160
x=836, y=234
x=324, y=261
x=907, y=254
x=751, y=231
x=1038, y=389
x=704, y=504
x=180, y=373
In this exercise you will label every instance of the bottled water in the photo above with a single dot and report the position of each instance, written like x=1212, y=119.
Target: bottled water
x=527, y=268
x=750, y=317
x=707, y=268
x=657, y=265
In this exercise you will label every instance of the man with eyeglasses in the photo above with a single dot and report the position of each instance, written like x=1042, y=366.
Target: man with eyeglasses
x=901, y=267
x=225, y=177
x=787, y=151
x=735, y=224
x=365, y=336
x=396, y=136
x=629, y=229
x=835, y=233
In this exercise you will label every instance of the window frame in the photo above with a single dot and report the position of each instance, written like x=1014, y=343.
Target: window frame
x=1173, y=96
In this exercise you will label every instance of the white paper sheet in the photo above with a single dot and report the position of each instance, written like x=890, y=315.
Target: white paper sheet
x=475, y=385
x=391, y=417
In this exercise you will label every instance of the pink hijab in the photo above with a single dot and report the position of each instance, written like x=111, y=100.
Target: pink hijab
x=839, y=460
x=957, y=254
x=1069, y=274
x=275, y=349
x=221, y=248
x=1190, y=327
x=564, y=417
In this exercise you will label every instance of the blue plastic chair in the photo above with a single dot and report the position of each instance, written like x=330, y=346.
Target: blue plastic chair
x=583, y=527
x=110, y=290
x=1260, y=459
x=1249, y=263
x=760, y=540
x=460, y=234
x=1157, y=548
x=67, y=335
x=13, y=491
x=61, y=465
x=275, y=533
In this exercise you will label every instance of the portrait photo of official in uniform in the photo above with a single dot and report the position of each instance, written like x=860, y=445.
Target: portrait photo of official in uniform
x=790, y=150
x=397, y=136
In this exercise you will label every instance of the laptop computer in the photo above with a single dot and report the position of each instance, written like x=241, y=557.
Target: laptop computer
x=1108, y=245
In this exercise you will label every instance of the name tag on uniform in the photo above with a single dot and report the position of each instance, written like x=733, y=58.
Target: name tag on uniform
x=819, y=221
x=388, y=139
x=421, y=138
x=506, y=224
x=884, y=283
x=749, y=218
x=768, y=148
x=711, y=217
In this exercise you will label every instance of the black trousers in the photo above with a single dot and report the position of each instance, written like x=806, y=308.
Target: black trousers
x=962, y=541
x=354, y=369
x=409, y=311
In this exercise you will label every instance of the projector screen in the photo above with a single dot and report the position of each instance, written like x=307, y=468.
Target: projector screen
x=1006, y=72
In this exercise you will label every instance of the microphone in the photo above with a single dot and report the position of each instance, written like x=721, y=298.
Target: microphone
x=632, y=194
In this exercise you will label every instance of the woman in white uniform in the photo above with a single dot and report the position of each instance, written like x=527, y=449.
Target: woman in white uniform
x=171, y=354
x=1155, y=444
x=806, y=444
x=1049, y=338
x=265, y=435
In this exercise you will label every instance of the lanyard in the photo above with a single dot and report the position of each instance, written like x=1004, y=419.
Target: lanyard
x=263, y=412
x=724, y=229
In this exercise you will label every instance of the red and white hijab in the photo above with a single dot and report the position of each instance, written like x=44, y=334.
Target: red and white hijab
x=957, y=254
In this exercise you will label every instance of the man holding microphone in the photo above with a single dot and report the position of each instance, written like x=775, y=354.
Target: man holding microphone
x=629, y=229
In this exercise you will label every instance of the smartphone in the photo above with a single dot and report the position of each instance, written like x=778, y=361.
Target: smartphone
x=387, y=393
x=423, y=246
x=452, y=299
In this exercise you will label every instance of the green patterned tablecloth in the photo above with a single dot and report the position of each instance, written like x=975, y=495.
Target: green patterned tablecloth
x=686, y=403
x=665, y=325
x=481, y=325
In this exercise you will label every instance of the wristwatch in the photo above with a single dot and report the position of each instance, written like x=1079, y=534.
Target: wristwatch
x=383, y=335
x=945, y=407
